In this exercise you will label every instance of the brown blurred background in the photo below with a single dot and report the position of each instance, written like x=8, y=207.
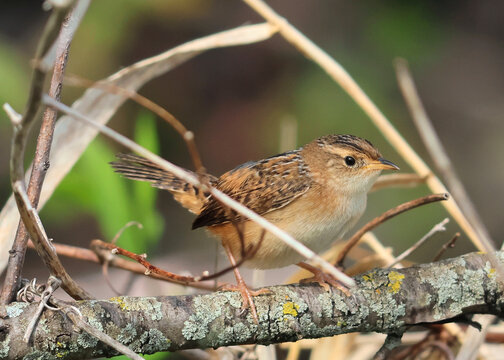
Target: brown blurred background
x=235, y=100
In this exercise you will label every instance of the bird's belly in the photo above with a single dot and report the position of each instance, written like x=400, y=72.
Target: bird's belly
x=317, y=232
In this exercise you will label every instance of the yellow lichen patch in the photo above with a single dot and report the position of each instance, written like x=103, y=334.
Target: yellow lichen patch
x=289, y=308
x=119, y=301
x=395, y=279
x=491, y=273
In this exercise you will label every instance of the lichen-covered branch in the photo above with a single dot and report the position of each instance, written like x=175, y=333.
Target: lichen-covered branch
x=384, y=300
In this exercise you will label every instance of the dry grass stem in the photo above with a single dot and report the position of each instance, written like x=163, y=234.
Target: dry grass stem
x=226, y=200
x=13, y=116
x=481, y=237
x=437, y=228
x=341, y=76
x=384, y=217
x=438, y=154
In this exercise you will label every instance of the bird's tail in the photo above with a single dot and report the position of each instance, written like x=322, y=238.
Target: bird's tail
x=139, y=168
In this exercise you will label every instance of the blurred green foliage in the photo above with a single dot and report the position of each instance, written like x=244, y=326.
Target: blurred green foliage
x=157, y=356
x=92, y=187
x=14, y=75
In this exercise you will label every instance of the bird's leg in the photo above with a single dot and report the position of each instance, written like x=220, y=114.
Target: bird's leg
x=242, y=287
x=323, y=279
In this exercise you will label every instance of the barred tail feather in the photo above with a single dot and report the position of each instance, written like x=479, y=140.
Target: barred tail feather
x=135, y=167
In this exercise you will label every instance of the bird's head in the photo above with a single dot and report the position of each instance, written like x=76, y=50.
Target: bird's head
x=349, y=161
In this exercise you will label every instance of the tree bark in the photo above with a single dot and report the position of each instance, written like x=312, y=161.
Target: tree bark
x=384, y=300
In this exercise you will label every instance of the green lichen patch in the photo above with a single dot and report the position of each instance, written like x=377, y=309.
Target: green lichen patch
x=238, y=333
x=4, y=347
x=86, y=341
x=15, y=309
x=127, y=334
x=154, y=341
x=38, y=355
x=205, y=311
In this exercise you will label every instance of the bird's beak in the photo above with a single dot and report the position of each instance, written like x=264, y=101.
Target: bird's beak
x=382, y=164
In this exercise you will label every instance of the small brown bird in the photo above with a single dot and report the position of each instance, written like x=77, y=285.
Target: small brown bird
x=315, y=193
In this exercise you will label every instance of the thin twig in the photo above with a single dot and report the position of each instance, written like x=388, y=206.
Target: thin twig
x=43, y=245
x=151, y=270
x=106, y=261
x=52, y=284
x=384, y=217
x=341, y=76
x=219, y=195
x=42, y=152
x=187, y=136
x=437, y=228
x=98, y=256
x=391, y=342
x=449, y=244
x=438, y=153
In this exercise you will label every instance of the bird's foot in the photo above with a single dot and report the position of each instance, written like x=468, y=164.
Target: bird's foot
x=247, y=296
x=325, y=280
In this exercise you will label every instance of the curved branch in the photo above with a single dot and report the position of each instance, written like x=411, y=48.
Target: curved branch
x=384, y=300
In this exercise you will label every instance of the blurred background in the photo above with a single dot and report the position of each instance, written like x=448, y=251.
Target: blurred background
x=236, y=99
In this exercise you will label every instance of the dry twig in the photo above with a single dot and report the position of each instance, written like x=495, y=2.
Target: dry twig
x=445, y=247
x=437, y=228
x=98, y=256
x=43, y=245
x=44, y=141
x=161, y=274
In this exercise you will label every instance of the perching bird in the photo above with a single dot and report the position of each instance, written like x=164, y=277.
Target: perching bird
x=315, y=193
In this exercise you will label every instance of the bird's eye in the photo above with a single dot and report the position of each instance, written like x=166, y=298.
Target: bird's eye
x=349, y=160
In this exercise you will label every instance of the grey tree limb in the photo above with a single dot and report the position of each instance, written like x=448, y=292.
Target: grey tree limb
x=384, y=300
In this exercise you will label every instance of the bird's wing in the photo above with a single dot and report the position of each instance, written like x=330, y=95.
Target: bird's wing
x=262, y=186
